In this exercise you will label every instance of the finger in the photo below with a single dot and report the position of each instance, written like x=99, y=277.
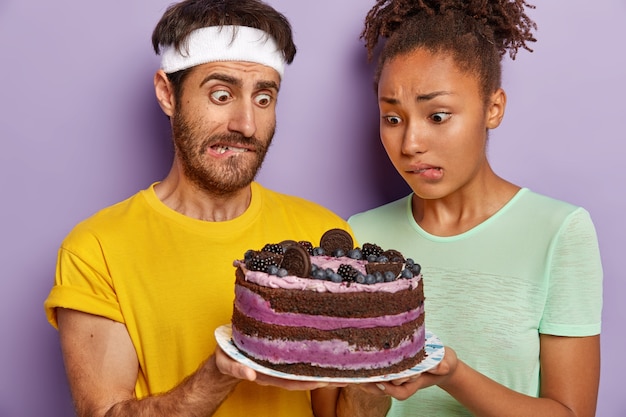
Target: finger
x=402, y=381
x=228, y=366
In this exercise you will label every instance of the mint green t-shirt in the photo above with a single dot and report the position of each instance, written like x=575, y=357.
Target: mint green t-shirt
x=533, y=267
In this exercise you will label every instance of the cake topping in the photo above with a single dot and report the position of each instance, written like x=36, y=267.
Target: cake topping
x=297, y=261
x=274, y=248
x=393, y=255
x=371, y=251
x=367, y=265
x=335, y=240
x=261, y=261
x=394, y=267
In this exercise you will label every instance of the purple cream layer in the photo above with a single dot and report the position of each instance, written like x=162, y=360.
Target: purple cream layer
x=328, y=354
x=307, y=284
x=254, y=306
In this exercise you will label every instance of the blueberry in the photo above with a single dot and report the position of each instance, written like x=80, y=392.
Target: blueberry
x=389, y=276
x=335, y=277
x=318, y=251
x=371, y=278
x=416, y=269
x=409, y=262
x=319, y=274
x=371, y=258
x=360, y=279
x=272, y=270
x=282, y=272
x=355, y=253
x=338, y=253
x=378, y=276
x=382, y=259
x=407, y=274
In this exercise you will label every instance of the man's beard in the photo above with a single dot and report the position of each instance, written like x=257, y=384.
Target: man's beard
x=226, y=176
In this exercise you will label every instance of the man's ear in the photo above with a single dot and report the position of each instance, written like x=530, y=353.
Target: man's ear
x=495, y=109
x=164, y=93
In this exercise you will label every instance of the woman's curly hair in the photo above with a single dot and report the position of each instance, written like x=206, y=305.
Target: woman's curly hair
x=478, y=33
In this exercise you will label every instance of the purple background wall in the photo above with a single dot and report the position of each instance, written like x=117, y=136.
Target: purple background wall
x=80, y=129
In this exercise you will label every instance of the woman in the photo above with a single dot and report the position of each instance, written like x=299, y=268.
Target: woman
x=512, y=278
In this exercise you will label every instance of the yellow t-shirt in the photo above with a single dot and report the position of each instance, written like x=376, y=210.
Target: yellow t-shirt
x=170, y=279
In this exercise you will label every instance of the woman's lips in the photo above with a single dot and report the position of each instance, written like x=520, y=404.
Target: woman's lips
x=428, y=172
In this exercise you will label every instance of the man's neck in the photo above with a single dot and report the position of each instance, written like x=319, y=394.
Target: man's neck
x=181, y=195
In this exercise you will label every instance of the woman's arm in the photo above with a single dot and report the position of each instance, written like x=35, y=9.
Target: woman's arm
x=570, y=374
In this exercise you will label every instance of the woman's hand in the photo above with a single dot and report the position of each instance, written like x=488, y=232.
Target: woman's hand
x=403, y=388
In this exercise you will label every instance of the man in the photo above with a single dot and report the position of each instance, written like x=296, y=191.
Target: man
x=141, y=286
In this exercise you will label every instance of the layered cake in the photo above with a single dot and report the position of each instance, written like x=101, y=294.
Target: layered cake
x=330, y=310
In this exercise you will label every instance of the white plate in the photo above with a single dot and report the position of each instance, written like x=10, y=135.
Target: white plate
x=434, y=355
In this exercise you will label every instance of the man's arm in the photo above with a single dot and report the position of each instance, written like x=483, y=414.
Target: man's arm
x=102, y=367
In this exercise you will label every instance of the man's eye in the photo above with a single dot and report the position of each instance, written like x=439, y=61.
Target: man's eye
x=263, y=100
x=440, y=117
x=392, y=120
x=220, y=96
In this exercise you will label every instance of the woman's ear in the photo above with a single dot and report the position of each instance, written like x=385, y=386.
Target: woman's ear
x=164, y=93
x=495, y=108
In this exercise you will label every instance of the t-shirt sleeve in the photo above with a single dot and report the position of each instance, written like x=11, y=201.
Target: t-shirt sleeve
x=82, y=282
x=574, y=298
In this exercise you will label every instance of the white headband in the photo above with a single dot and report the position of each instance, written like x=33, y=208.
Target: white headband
x=224, y=43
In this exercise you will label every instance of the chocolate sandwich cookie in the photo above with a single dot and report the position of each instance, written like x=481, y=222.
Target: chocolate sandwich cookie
x=286, y=243
x=382, y=267
x=296, y=261
x=335, y=239
x=393, y=255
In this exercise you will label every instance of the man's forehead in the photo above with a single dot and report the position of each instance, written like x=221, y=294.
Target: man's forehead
x=238, y=73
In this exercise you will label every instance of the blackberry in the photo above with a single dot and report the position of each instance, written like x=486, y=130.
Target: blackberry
x=262, y=260
x=276, y=248
x=307, y=245
x=347, y=272
x=371, y=249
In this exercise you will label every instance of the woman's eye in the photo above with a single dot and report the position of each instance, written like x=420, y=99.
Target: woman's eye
x=263, y=100
x=220, y=96
x=440, y=117
x=392, y=120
